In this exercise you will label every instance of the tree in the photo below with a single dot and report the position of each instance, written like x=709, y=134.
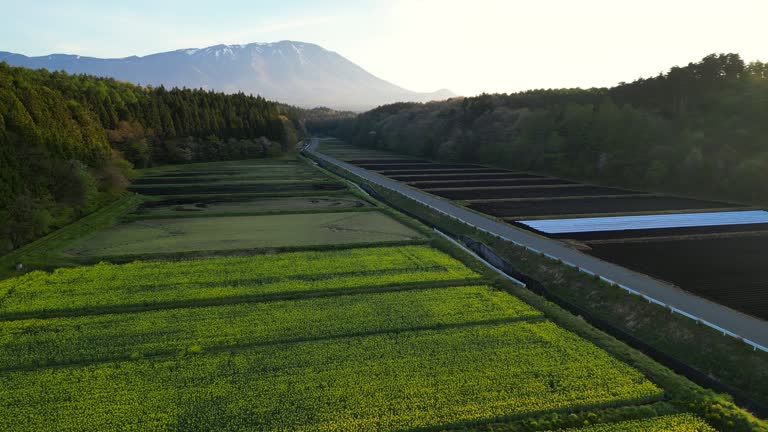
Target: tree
x=58, y=133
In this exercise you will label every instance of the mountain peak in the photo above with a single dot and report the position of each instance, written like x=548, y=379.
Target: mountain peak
x=295, y=72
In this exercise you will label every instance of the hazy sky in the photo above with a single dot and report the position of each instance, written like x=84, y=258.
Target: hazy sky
x=466, y=46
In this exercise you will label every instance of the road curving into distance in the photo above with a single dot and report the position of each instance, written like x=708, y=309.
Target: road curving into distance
x=753, y=330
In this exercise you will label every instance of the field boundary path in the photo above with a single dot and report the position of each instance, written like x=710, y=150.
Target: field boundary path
x=723, y=319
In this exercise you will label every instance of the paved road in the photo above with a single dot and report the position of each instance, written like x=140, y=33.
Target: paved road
x=743, y=325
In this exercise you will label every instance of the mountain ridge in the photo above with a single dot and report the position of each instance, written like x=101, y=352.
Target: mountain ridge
x=293, y=72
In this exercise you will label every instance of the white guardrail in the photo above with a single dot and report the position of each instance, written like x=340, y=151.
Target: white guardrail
x=672, y=309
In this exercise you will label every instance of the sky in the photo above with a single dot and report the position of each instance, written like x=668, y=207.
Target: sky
x=469, y=47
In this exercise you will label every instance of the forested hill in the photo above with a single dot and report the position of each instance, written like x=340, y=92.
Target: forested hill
x=67, y=142
x=298, y=73
x=701, y=129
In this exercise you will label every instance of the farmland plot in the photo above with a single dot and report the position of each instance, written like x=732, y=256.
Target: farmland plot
x=428, y=185
x=462, y=175
x=530, y=192
x=159, y=283
x=677, y=423
x=163, y=236
x=399, y=172
x=631, y=222
x=224, y=179
x=35, y=342
x=555, y=207
x=227, y=206
x=285, y=346
x=227, y=188
x=411, y=166
x=395, y=337
x=262, y=177
x=731, y=271
x=384, y=161
x=381, y=382
x=258, y=168
x=670, y=233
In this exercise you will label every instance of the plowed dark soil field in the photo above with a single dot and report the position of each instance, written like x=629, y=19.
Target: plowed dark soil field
x=408, y=166
x=663, y=232
x=731, y=271
x=489, y=183
x=386, y=161
x=402, y=172
x=463, y=175
x=524, y=209
x=530, y=192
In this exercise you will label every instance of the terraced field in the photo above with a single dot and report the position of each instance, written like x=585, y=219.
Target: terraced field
x=427, y=354
x=297, y=312
x=200, y=216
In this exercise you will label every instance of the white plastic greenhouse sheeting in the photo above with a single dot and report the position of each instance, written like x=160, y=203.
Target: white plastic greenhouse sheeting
x=617, y=223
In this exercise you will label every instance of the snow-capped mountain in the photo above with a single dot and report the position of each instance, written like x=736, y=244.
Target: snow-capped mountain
x=297, y=73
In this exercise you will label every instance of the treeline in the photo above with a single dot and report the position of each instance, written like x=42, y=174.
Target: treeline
x=700, y=130
x=68, y=143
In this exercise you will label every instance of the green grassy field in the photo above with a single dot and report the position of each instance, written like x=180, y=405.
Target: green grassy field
x=262, y=177
x=165, y=236
x=244, y=168
x=223, y=207
x=268, y=167
x=263, y=188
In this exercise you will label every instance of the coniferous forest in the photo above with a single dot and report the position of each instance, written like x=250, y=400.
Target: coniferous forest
x=699, y=130
x=68, y=143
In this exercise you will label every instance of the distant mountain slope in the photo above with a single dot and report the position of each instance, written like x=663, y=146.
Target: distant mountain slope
x=297, y=73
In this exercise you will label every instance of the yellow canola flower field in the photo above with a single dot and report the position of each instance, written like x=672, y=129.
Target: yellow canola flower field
x=41, y=342
x=670, y=423
x=107, y=287
x=381, y=382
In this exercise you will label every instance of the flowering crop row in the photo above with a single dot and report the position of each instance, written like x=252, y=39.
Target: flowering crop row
x=36, y=342
x=142, y=284
x=377, y=382
x=676, y=423
x=233, y=269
